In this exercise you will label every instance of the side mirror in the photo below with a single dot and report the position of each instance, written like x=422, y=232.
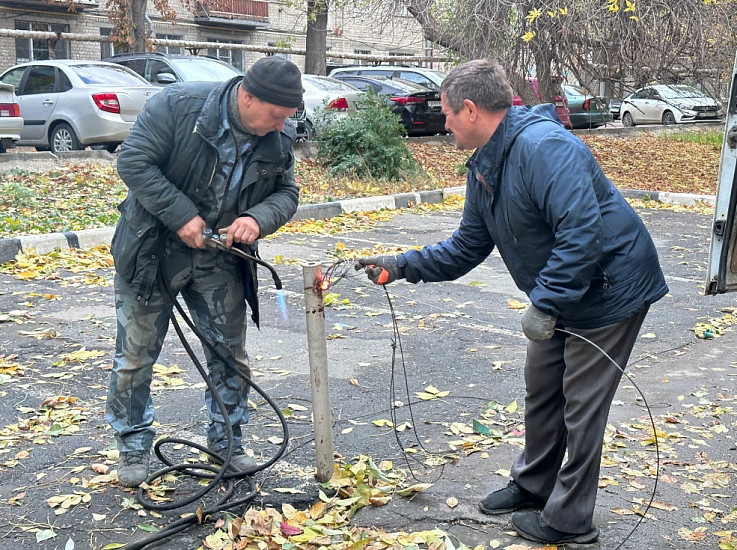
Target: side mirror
x=165, y=78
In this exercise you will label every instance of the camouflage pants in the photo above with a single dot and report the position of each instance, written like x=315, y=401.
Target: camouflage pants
x=211, y=285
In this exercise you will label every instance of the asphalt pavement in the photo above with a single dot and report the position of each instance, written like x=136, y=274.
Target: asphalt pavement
x=461, y=337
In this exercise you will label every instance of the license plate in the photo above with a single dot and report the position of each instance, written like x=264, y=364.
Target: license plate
x=433, y=104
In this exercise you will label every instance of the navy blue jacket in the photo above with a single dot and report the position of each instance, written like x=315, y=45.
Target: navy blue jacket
x=569, y=239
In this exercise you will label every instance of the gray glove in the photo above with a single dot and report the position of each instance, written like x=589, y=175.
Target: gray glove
x=537, y=325
x=382, y=270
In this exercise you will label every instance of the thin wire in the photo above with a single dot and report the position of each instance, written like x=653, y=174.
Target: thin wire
x=396, y=342
x=652, y=423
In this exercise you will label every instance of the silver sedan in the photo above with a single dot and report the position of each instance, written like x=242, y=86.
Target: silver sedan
x=68, y=105
x=11, y=123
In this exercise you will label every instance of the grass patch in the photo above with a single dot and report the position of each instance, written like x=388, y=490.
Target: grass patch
x=707, y=137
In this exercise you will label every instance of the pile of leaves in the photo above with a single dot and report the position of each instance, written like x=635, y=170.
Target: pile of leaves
x=326, y=524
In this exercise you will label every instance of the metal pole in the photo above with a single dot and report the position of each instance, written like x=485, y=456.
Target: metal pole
x=318, y=354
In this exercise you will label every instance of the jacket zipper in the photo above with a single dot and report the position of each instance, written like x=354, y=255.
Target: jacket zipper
x=606, y=283
x=215, y=165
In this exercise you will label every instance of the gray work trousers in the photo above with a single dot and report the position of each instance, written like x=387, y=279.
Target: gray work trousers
x=211, y=284
x=570, y=387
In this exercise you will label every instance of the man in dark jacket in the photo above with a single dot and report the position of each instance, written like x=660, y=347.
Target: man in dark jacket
x=201, y=155
x=587, y=264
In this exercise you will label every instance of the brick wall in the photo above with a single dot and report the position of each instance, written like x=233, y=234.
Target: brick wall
x=376, y=31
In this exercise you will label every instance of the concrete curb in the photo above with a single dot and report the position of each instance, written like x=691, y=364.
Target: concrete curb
x=87, y=238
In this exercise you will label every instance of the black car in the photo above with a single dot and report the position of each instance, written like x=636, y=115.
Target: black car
x=418, y=107
x=162, y=69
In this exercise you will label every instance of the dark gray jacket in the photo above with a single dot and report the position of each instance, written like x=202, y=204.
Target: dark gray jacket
x=168, y=162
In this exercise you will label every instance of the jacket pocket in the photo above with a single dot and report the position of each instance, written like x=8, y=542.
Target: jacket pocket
x=130, y=234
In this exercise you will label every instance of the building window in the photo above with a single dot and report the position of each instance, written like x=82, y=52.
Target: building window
x=233, y=57
x=29, y=49
x=106, y=48
x=173, y=50
x=360, y=61
x=287, y=56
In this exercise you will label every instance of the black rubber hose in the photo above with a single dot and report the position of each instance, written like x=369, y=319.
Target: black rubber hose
x=217, y=473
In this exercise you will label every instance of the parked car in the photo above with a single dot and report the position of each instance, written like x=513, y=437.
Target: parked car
x=668, y=104
x=162, y=69
x=326, y=98
x=585, y=110
x=11, y=123
x=69, y=104
x=559, y=100
x=418, y=108
x=428, y=78
x=614, y=107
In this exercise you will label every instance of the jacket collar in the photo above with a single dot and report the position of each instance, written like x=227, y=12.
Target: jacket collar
x=490, y=158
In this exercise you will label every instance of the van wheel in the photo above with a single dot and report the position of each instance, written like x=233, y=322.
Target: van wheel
x=63, y=139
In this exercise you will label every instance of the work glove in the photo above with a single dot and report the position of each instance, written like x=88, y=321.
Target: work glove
x=537, y=325
x=382, y=270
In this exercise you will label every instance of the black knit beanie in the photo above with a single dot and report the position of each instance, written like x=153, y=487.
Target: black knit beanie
x=274, y=80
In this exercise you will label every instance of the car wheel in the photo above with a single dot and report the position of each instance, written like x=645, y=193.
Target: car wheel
x=668, y=118
x=309, y=131
x=627, y=121
x=63, y=139
x=111, y=147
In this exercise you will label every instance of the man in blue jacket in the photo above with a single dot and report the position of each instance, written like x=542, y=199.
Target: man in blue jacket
x=201, y=155
x=585, y=260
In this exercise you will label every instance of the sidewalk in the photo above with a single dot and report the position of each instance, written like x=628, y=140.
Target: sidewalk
x=43, y=244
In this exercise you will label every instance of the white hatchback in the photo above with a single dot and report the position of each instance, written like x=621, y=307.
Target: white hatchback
x=668, y=104
x=11, y=123
x=68, y=105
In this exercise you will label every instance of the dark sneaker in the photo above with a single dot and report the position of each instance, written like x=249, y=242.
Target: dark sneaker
x=133, y=468
x=531, y=526
x=511, y=498
x=240, y=461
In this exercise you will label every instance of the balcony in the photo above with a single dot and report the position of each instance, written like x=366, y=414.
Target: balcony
x=243, y=14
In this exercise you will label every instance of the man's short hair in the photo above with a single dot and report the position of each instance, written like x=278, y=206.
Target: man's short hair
x=482, y=81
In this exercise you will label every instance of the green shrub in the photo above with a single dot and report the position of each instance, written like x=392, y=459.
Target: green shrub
x=367, y=144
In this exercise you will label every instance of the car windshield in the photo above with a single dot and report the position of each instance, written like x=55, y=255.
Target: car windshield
x=326, y=84
x=402, y=85
x=201, y=69
x=677, y=92
x=94, y=73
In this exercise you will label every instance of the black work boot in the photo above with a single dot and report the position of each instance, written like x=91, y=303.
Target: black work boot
x=133, y=468
x=530, y=525
x=511, y=498
x=239, y=462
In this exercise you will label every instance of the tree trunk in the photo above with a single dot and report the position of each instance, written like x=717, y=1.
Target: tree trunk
x=140, y=27
x=317, y=24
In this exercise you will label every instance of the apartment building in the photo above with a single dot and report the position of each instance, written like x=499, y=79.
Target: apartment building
x=385, y=31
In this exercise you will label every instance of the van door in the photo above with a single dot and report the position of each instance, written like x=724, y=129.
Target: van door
x=721, y=273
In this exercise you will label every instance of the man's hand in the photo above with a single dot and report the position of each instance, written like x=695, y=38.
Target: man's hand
x=191, y=232
x=382, y=270
x=538, y=325
x=243, y=230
